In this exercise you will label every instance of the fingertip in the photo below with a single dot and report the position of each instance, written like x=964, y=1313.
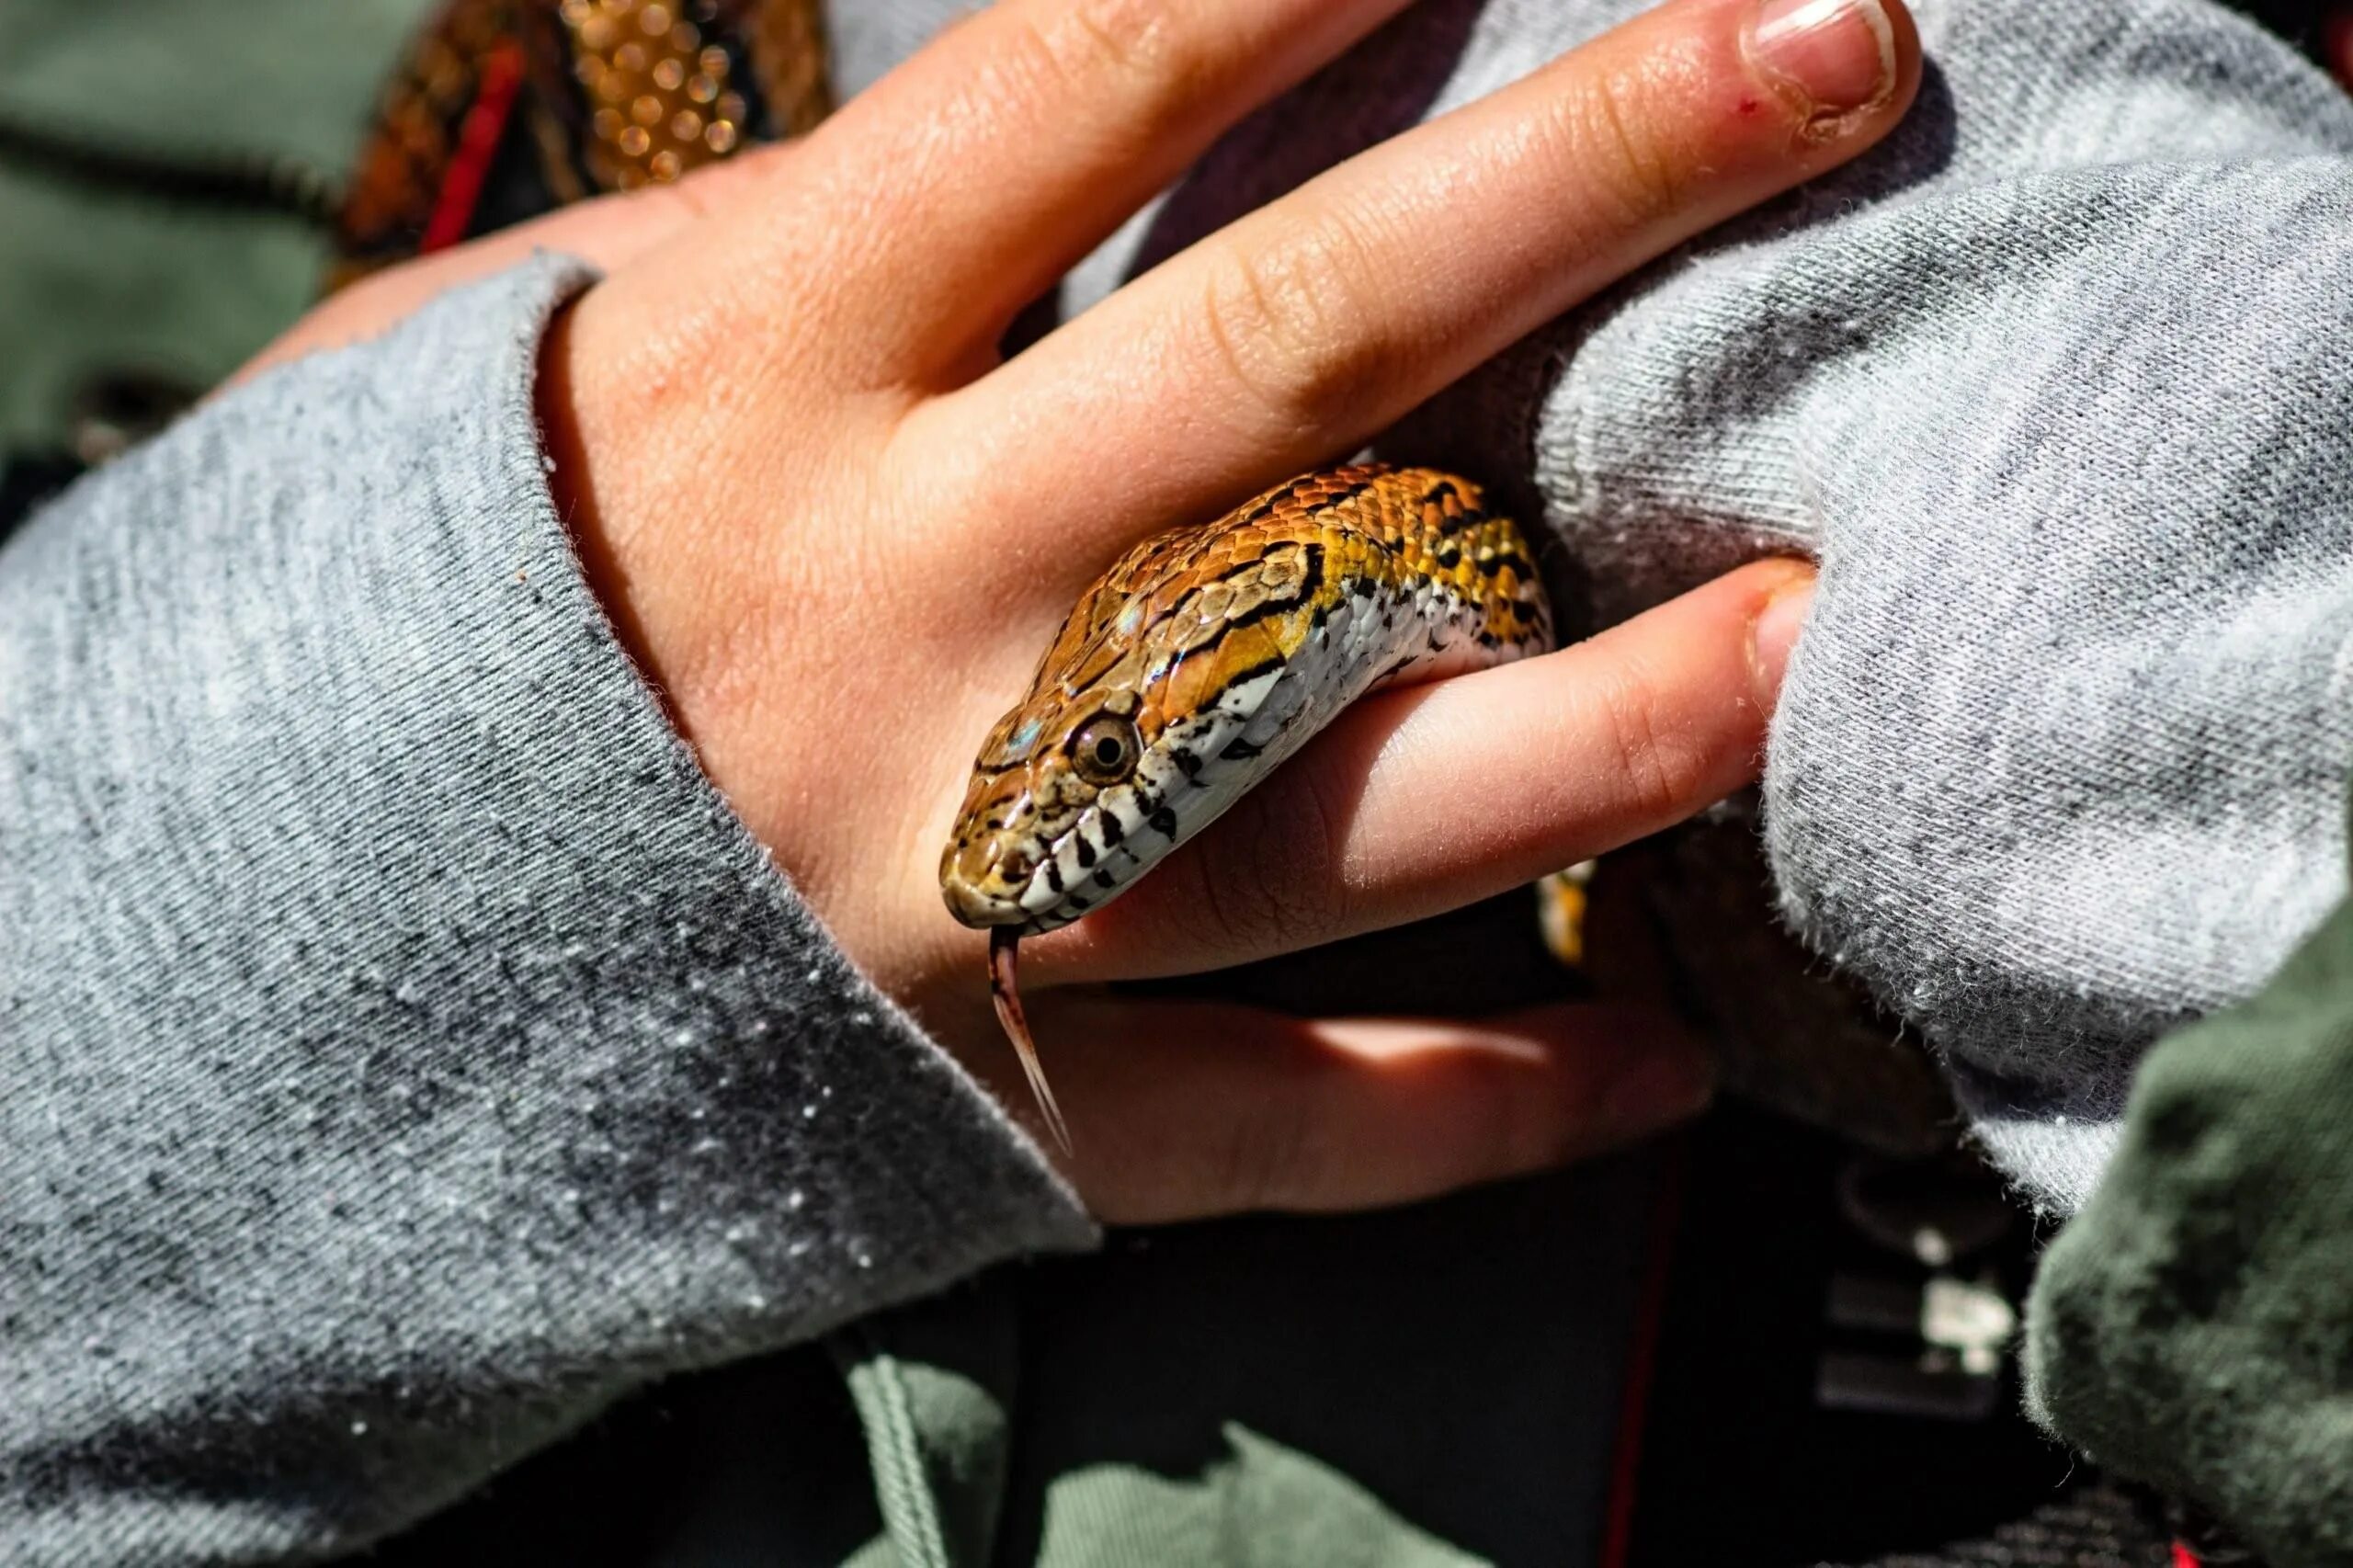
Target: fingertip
x=1834, y=63
x=1620, y=1073
x=1672, y=1081
x=1773, y=635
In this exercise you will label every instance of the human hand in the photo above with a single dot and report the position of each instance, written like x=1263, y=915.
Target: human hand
x=836, y=531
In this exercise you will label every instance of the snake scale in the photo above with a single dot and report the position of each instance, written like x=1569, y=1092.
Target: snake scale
x=1200, y=661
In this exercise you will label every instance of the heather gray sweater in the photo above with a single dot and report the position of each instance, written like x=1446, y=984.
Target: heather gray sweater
x=403, y=1053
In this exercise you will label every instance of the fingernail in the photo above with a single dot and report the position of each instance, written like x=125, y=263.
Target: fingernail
x=1775, y=631
x=1663, y=1087
x=1838, y=55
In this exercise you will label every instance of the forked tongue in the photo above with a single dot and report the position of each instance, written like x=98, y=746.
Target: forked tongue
x=1005, y=990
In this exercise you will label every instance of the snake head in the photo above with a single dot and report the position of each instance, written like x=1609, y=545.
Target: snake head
x=1205, y=656
x=1038, y=822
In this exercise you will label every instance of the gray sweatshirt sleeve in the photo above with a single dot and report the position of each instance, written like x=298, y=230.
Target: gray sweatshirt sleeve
x=404, y=1051
x=2058, y=384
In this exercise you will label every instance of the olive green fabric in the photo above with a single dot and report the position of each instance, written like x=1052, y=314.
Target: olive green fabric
x=280, y=77
x=108, y=274
x=1260, y=1506
x=2192, y=1327
x=95, y=285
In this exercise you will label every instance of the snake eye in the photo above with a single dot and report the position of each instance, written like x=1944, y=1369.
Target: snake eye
x=1105, y=749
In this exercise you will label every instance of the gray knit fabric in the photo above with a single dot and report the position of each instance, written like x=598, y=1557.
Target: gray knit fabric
x=403, y=1053
x=2056, y=383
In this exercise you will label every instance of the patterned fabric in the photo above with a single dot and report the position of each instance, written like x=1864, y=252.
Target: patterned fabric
x=506, y=109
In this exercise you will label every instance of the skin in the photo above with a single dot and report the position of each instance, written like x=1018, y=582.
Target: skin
x=836, y=533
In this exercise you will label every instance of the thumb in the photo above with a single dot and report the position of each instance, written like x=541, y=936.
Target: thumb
x=607, y=233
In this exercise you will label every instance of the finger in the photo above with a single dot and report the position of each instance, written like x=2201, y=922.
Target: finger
x=975, y=173
x=607, y=232
x=1422, y=801
x=1307, y=326
x=1181, y=1109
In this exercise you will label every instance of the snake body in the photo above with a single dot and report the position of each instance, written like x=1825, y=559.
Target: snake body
x=1198, y=663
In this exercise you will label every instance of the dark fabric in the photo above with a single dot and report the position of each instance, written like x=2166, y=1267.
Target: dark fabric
x=1757, y=1450
x=2095, y=1526
x=758, y=1464
x=1447, y=1373
x=1435, y=1387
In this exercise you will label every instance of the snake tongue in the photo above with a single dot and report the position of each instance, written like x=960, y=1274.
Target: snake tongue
x=1005, y=990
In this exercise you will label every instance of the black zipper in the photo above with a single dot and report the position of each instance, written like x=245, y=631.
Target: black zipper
x=250, y=182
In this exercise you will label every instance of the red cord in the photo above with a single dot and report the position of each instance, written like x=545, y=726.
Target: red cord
x=478, y=138
x=1642, y=1361
x=2336, y=45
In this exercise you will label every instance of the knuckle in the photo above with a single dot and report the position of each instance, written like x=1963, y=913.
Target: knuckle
x=1659, y=768
x=1611, y=136
x=710, y=188
x=678, y=203
x=1306, y=822
x=1237, y=920
x=1293, y=326
x=1272, y=888
x=1096, y=45
x=1230, y=917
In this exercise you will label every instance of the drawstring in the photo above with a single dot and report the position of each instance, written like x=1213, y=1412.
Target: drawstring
x=902, y=1486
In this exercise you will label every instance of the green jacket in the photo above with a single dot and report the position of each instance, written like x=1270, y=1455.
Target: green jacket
x=165, y=172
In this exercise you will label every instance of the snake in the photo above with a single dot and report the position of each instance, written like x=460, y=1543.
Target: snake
x=1198, y=663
